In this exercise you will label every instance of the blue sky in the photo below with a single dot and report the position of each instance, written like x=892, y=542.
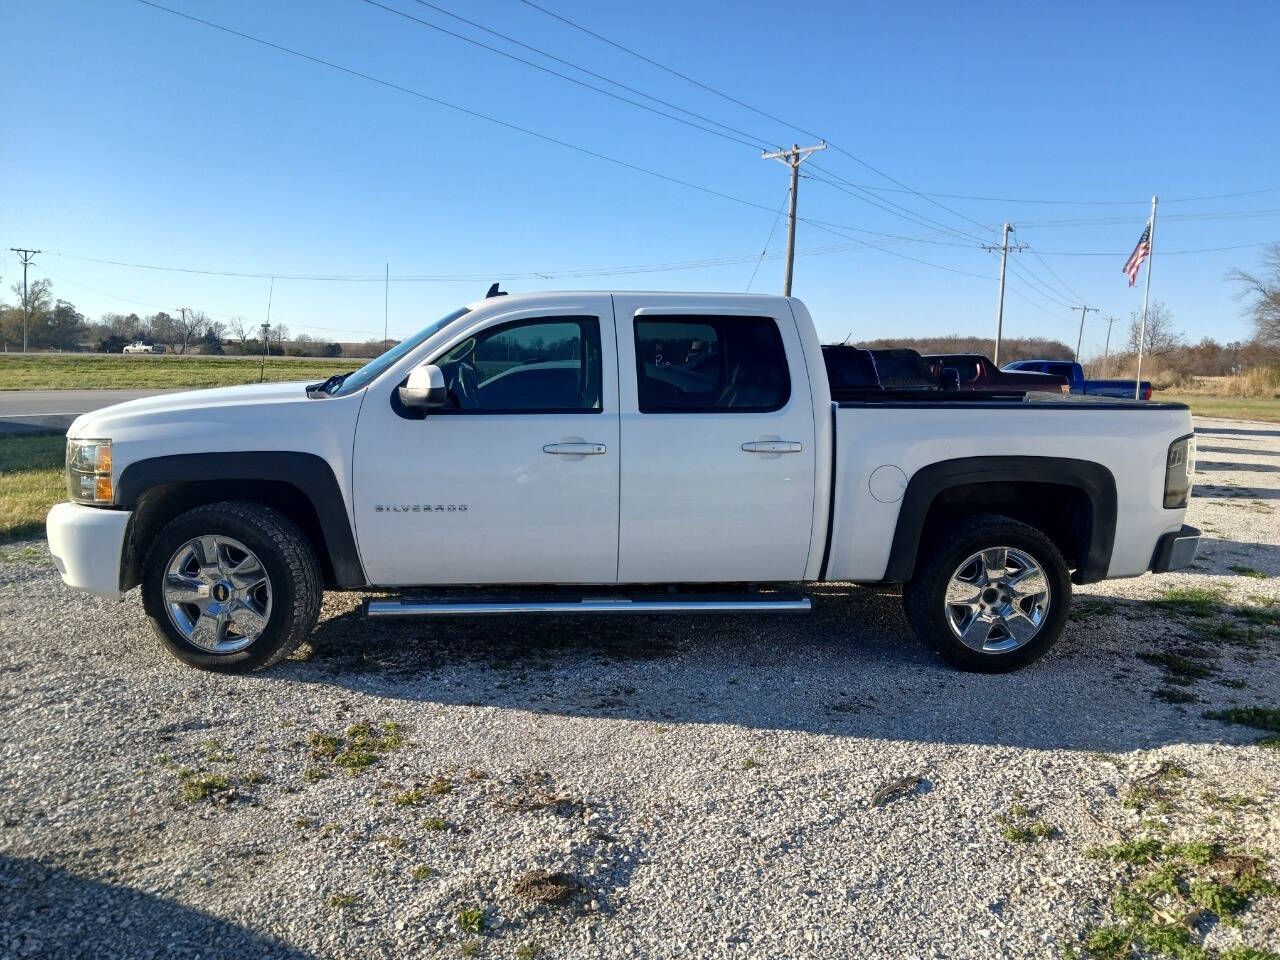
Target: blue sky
x=137, y=136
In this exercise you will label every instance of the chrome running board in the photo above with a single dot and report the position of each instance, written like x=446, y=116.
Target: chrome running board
x=445, y=607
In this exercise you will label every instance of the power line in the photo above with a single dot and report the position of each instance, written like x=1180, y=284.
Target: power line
x=768, y=240
x=1182, y=217
x=1163, y=253
x=453, y=106
x=896, y=253
x=737, y=139
x=215, y=313
x=562, y=76
x=889, y=206
x=745, y=105
x=1050, y=294
x=709, y=262
x=761, y=141
x=1068, y=203
x=1054, y=274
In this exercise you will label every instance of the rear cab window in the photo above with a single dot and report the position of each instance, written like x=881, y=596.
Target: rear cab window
x=710, y=364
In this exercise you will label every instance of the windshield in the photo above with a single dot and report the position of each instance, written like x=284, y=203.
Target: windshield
x=374, y=368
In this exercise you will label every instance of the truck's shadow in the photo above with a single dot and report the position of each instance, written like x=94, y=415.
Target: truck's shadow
x=51, y=913
x=852, y=668
x=1237, y=431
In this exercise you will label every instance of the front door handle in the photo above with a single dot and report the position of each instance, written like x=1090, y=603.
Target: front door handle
x=574, y=449
x=773, y=446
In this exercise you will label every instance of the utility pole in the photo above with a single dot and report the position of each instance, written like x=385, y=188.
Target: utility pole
x=1080, y=337
x=792, y=158
x=26, y=256
x=1106, y=351
x=266, y=330
x=1004, y=256
x=386, y=302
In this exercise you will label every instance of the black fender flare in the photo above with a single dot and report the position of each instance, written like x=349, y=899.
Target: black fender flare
x=309, y=474
x=1093, y=479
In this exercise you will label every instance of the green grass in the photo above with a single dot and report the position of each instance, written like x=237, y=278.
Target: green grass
x=90, y=372
x=31, y=481
x=1233, y=408
x=471, y=920
x=1260, y=718
x=1192, y=601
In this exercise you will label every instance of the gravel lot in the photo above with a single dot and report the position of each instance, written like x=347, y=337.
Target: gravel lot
x=692, y=787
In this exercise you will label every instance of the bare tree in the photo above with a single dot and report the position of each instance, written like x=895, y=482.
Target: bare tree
x=1162, y=338
x=243, y=331
x=1263, y=290
x=187, y=327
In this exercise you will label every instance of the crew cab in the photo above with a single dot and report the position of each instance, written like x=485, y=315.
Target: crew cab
x=976, y=372
x=1078, y=383
x=608, y=453
x=143, y=346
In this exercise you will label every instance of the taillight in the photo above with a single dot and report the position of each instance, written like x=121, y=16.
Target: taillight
x=1178, y=468
x=1146, y=393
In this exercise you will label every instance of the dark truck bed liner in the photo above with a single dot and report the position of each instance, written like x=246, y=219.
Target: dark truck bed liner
x=903, y=378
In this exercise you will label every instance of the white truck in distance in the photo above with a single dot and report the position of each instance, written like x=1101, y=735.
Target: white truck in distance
x=611, y=453
x=143, y=346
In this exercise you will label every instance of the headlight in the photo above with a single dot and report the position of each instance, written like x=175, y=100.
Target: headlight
x=89, y=471
x=1179, y=465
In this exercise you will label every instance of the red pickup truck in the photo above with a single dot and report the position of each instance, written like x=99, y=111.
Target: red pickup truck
x=976, y=372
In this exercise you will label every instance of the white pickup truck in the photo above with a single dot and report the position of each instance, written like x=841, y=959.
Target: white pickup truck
x=618, y=453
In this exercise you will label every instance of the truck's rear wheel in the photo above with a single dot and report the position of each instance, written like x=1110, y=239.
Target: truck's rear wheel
x=231, y=587
x=991, y=595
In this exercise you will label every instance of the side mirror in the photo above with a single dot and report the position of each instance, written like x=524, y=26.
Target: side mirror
x=424, y=389
x=950, y=379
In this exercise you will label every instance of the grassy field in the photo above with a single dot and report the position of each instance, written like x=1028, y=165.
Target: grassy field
x=1235, y=408
x=31, y=481
x=96, y=371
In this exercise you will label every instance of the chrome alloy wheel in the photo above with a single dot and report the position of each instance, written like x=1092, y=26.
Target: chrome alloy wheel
x=997, y=600
x=217, y=593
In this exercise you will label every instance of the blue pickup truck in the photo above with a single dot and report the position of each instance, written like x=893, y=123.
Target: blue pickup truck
x=1076, y=379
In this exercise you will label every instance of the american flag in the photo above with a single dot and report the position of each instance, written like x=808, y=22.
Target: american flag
x=1140, y=253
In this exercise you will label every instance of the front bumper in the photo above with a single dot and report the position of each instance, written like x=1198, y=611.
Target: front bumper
x=1175, y=549
x=87, y=543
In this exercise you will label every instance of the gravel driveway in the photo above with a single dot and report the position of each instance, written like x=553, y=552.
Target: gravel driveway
x=650, y=787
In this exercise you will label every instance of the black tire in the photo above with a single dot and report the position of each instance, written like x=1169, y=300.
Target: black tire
x=940, y=556
x=291, y=569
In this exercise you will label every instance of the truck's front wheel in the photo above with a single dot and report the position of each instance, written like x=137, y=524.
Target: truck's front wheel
x=989, y=595
x=231, y=587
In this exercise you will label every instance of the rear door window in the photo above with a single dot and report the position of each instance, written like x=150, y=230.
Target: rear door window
x=710, y=364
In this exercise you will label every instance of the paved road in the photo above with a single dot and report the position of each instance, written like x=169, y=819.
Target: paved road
x=38, y=411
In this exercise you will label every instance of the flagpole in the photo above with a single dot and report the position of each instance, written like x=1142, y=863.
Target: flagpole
x=1146, y=292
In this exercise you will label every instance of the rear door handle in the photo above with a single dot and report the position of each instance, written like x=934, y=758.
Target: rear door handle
x=773, y=446
x=574, y=449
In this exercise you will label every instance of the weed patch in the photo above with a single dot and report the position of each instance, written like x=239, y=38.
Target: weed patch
x=471, y=920
x=1261, y=718
x=204, y=786
x=1248, y=572
x=357, y=749
x=1023, y=825
x=1190, y=601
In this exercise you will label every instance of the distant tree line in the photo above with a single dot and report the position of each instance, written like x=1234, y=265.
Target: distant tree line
x=56, y=324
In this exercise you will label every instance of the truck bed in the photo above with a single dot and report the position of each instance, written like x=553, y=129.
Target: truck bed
x=882, y=442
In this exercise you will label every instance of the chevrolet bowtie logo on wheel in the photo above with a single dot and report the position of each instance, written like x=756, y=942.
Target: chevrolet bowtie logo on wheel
x=419, y=508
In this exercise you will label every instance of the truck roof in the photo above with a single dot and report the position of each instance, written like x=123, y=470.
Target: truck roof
x=537, y=296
